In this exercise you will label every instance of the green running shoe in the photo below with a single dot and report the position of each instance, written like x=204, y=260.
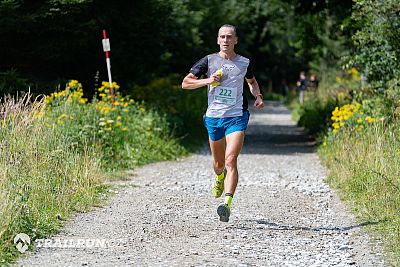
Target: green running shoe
x=224, y=212
x=218, y=187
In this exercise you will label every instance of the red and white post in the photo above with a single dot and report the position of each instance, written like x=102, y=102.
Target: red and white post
x=106, y=48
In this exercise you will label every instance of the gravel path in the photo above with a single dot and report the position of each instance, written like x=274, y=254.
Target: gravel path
x=283, y=213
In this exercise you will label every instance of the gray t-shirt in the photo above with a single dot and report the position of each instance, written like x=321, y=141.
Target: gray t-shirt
x=226, y=99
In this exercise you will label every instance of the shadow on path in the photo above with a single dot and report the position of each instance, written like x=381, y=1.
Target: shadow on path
x=275, y=226
x=283, y=227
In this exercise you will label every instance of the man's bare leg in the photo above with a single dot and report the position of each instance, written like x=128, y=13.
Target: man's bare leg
x=234, y=144
x=218, y=152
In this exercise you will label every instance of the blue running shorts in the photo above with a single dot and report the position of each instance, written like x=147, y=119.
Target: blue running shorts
x=218, y=128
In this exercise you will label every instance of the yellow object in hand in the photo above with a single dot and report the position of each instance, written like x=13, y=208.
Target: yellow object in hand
x=219, y=73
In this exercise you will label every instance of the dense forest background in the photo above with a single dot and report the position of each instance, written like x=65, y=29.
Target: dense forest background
x=45, y=43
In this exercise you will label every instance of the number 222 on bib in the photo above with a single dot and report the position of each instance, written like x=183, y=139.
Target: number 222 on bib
x=226, y=95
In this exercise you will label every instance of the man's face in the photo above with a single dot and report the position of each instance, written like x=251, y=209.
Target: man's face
x=226, y=39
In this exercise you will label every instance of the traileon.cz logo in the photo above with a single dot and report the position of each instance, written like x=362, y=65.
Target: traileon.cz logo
x=22, y=241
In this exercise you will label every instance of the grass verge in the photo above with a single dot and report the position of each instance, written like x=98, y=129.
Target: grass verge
x=56, y=153
x=365, y=167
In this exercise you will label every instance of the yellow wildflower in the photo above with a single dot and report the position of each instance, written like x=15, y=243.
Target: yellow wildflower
x=369, y=119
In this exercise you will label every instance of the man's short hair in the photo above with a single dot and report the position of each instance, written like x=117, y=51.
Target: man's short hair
x=228, y=26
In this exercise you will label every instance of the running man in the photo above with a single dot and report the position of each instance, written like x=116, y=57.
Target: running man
x=227, y=116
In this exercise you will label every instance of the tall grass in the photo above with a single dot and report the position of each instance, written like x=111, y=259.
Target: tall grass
x=365, y=166
x=56, y=153
x=42, y=180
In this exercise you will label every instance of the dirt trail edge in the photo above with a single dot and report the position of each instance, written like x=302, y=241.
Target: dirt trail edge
x=283, y=213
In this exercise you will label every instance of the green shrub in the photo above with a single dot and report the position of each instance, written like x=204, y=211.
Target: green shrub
x=184, y=108
x=376, y=44
x=315, y=116
x=127, y=133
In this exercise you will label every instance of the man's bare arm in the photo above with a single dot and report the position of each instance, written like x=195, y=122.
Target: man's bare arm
x=255, y=91
x=192, y=82
x=254, y=87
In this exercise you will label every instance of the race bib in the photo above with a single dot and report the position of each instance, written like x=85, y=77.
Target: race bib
x=226, y=95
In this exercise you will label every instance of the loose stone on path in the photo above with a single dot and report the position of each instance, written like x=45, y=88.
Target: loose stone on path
x=283, y=213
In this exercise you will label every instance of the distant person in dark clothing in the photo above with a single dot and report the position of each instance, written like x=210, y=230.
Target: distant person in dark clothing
x=302, y=86
x=313, y=83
